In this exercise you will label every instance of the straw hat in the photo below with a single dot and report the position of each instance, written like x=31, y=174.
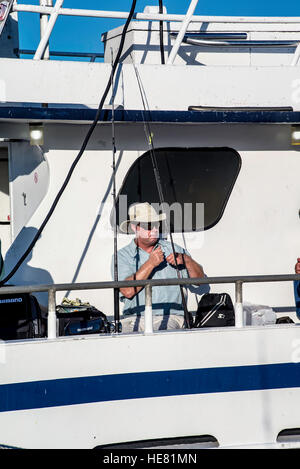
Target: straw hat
x=141, y=213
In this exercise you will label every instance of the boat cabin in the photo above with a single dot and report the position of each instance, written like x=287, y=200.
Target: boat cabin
x=217, y=102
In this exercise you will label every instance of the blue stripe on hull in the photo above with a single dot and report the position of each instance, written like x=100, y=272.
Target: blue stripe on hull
x=205, y=116
x=83, y=390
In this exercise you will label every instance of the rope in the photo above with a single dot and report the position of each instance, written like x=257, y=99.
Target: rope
x=83, y=147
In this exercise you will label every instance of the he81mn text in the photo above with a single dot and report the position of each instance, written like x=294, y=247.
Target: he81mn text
x=173, y=458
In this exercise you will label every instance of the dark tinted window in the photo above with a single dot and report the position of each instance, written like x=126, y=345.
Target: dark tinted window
x=189, y=176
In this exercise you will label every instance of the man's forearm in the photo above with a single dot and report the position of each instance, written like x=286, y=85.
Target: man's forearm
x=194, y=269
x=143, y=273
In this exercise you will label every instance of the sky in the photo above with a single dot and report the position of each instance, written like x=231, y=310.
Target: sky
x=75, y=34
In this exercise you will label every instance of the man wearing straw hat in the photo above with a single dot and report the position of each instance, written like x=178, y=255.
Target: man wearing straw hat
x=148, y=256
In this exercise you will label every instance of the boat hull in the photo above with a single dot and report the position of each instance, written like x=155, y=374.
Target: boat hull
x=240, y=386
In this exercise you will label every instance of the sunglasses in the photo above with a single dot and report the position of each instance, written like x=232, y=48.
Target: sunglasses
x=149, y=226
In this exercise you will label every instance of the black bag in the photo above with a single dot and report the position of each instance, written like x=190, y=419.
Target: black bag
x=215, y=310
x=20, y=317
x=75, y=320
x=284, y=320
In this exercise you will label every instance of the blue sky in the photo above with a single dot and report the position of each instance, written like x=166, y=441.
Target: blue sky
x=75, y=34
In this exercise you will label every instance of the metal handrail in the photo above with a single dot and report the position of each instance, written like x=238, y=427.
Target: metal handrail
x=142, y=283
x=182, y=31
x=148, y=284
x=213, y=35
x=57, y=10
x=157, y=16
x=91, y=55
x=240, y=44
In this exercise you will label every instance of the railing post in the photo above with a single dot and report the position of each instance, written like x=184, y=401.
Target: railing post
x=43, y=26
x=51, y=314
x=296, y=56
x=48, y=29
x=148, y=310
x=239, y=313
x=182, y=32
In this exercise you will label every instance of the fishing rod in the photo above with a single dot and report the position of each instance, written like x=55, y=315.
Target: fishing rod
x=81, y=151
x=149, y=135
x=161, y=33
x=113, y=138
x=175, y=199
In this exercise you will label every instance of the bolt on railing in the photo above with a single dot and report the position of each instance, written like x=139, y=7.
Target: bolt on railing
x=148, y=284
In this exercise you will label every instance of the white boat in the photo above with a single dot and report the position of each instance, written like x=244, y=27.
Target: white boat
x=224, y=108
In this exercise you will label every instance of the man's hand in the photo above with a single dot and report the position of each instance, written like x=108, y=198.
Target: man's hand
x=179, y=258
x=297, y=266
x=156, y=257
x=194, y=269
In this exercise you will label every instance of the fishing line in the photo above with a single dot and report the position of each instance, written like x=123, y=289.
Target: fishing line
x=113, y=138
x=149, y=136
x=175, y=199
x=82, y=149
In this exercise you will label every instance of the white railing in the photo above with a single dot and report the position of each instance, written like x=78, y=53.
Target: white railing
x=88, y=55
x=45, y=35
x=43, y=26
x=57, y=9
x=157, y=16
x=148, y=285
x=180, y=35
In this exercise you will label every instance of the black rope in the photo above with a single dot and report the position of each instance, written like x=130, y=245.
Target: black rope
x=161, y=33
x=83, y=147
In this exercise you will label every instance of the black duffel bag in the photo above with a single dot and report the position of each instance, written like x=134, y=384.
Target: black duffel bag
x=215, y=310
x=20, y=317
x=75, y=320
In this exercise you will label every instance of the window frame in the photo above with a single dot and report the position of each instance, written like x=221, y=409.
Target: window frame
x=170, y=149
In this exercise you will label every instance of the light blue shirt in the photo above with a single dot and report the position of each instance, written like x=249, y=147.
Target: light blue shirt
x=165, y=300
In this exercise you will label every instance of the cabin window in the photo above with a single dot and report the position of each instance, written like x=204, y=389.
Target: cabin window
x=196, y=185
